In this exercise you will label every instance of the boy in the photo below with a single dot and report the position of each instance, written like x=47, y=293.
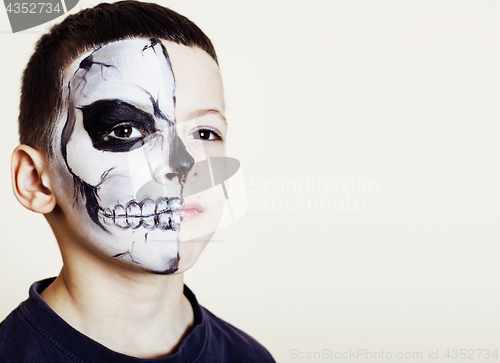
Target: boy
x=120, y=106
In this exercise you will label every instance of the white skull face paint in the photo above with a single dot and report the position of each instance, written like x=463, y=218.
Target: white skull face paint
x=120, y=145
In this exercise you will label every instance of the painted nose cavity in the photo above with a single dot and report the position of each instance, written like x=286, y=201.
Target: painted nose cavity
x=181, y=162
x=164, y=173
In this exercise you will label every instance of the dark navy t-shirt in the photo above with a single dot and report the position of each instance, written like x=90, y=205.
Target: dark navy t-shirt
x=34, y=333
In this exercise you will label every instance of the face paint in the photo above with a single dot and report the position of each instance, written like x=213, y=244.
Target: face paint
x=138, y=173
x=127, y=123
x=127, y=163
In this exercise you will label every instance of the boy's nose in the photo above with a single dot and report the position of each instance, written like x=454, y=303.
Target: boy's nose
x=166, y=162
x=181, y=162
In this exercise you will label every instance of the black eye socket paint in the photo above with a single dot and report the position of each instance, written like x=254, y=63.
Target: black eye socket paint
x=101, y=117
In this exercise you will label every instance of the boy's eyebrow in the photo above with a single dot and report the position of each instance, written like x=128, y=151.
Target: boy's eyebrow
x=203, y=112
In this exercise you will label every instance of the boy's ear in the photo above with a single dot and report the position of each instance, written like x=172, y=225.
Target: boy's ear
x=30, y=180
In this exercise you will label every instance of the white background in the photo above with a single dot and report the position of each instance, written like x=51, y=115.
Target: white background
x=403, y=94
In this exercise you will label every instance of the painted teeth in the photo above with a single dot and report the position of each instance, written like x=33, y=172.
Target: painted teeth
x=162, y=204
x=164, y=213
x=176, y=219
x=176, y=204
x=148, y=210
x=110, y=220
x=164, y=220
x=120, y=216
x=133, y=215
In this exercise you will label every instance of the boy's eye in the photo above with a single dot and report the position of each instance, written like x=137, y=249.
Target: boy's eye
x=116, y=126
x=205, y=134
x=125, y=131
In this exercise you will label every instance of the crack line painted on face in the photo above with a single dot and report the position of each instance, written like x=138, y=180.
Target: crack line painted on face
x=153, y=42
x=80, y=186
x=169, y=62
x=87, y=63
x=128, y=253
x=173, y=263
x=156, y=108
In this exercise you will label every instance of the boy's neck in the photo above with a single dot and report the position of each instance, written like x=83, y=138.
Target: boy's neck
x=138, y=314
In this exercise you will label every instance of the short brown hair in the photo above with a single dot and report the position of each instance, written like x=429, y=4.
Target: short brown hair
x=41, y=92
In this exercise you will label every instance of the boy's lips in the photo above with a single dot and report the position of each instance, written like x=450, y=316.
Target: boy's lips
x=191, y=210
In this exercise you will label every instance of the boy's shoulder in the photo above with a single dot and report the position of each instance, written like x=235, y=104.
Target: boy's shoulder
x=228, y=341
x=35, y=333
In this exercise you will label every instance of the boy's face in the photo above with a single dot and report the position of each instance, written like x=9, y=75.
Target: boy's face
x=140, y=114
